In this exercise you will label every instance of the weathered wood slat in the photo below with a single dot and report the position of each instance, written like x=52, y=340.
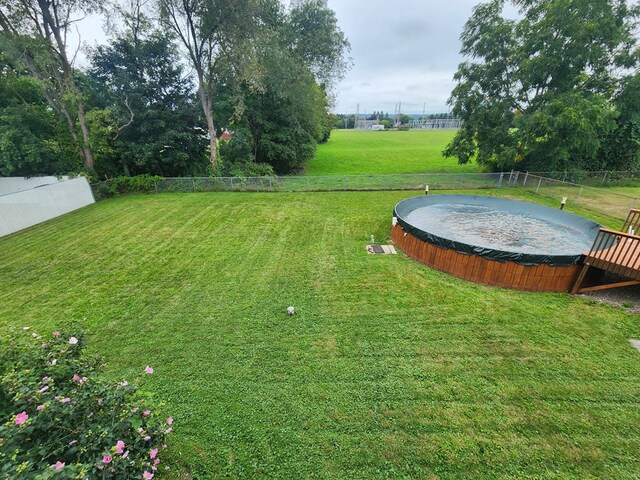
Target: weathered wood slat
x=544, y=278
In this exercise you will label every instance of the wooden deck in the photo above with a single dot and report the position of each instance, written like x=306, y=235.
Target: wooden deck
x=615, y=252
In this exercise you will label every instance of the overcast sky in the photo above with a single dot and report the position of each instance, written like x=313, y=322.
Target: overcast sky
x=402, y=51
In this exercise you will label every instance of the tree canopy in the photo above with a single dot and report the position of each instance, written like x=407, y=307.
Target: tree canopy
x=173, y=76
x=543, y=91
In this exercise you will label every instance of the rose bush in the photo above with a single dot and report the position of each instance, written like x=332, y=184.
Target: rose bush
x=59, y=420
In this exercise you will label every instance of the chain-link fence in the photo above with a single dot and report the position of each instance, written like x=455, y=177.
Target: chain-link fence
x=600, y=200
x=602, y=178
x=591, y=196
x=435, y=181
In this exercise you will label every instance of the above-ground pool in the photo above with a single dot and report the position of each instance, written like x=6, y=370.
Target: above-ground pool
x=495, y=241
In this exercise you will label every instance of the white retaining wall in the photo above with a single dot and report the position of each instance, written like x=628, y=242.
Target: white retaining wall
x=50, y=198
x=18, y=184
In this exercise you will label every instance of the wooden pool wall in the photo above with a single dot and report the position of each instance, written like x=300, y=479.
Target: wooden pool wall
x=535, y=278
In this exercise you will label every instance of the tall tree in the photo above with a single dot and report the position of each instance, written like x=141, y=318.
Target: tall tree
x=35, y=34
x=212, y=32
x=284, y=120
x=151, y=120
x=33, y=139
x=537, y=92
x=314, y=37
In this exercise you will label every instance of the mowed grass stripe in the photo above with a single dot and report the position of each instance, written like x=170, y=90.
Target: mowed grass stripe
x=388, y=369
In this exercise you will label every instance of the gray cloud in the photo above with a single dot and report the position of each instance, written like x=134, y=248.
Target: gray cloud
x=407, y=51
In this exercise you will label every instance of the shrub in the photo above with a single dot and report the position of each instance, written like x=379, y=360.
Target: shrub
x=60, y=421
x=251, y=170
x=128, y=185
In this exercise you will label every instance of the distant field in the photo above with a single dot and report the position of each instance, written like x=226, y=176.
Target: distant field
x=352, y=152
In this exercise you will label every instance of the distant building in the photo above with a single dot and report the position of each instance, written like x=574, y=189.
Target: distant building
x=367, y=124
x=435, y=124
x=377, y=127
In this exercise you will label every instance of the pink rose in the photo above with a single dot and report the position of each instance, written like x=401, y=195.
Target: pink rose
x=58, y=465
x=153, y=453
x=44, y=389
x=170, y=421
x=148, y=370
x=65, y=400
x=146, y=413
x=56, y=334
x=107, y=458
x=76, y=377
x=125, y=454
x=147, y=475
x=73, y=341
x=21, y=418
x=40, y=408
x=119, y=447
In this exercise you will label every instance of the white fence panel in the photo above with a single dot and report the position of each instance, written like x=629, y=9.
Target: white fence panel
x=29, y=207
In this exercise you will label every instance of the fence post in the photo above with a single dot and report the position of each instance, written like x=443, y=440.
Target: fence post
x=500, y=179
x=604, y=179
x=580, y=192
x=538, y=187
x=524, y=182
x=510, y=176
x=461, y=180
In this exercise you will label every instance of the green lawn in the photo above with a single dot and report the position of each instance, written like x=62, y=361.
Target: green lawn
x=388, y=370
x=353, y=152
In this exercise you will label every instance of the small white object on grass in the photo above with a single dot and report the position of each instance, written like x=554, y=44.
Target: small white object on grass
x=291, y=310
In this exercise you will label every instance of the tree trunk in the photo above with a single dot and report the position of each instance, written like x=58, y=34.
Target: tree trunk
x=69, y=83
x=205, y=101
x=86, y=145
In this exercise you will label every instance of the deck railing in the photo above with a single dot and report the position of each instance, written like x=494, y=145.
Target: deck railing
x=616, y=252
x=632, y=223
